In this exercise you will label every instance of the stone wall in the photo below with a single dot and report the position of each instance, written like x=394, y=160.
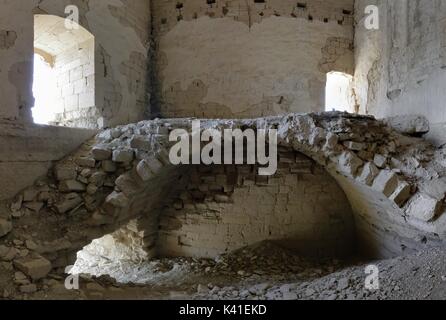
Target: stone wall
x=16, y=51
x=395, y=184
x=122, y=39
x=400, y=67
x=229, y=207
x=27, y=152
x=121, y=30
x=76, y=86
x=248, y=58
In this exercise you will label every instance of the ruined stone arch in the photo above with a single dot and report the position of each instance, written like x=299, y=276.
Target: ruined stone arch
x=125, y=174
x=380, y=197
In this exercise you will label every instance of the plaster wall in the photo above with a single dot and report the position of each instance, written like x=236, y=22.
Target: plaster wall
x=27, y=151
x=121, y=30
x=225, y=208
x=400, y=68
x=242, y=59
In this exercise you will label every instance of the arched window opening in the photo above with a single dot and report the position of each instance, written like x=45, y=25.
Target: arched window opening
x=64, y=73
x=44, y=82
x=338, y=95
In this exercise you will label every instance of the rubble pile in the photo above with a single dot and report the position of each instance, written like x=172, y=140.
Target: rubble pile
x=258, y=272
x=418, y=276
x=43, y=227
x=125, y=173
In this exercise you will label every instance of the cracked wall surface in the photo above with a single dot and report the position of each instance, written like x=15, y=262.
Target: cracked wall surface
x=122, y=37
x=244, y=59
x=7, y=39
x=26, y=152
x=123, y=178
x=400, y=67
x=224, y=208
x=75, y=91
x=124, y=53
x=122, y=33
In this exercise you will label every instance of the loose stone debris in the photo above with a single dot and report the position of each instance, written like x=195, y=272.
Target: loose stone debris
x=125, y=172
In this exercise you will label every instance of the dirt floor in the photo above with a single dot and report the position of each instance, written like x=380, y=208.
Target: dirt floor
x=264, y=272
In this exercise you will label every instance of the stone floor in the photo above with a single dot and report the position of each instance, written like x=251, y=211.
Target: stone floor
x=43, y=228
x=261, y=272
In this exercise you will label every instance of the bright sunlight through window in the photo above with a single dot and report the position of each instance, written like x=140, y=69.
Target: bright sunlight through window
x=337, y=97
x=44, y=90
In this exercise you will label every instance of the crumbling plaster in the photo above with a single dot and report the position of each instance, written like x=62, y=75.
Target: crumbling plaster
x=15, y=63
x=204, y=72
x=395, y=184
x=117, y=41
x=121, y=30
x=28, y=151
x=224, y=208
x=242, y=59
x=400, y=67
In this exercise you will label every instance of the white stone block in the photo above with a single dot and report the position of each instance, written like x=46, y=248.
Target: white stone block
x=386, y=182
x=123, y=155
x=380, y=161
x=349, y=163
x=76, y=74
x=117, y=199
x=87, y=99
x=409, y=124
x=80, y=86
x=67, y=90
x=88, y=69
x=71, y=103
x=424, y=207
x=368, y=174
x=144, y=171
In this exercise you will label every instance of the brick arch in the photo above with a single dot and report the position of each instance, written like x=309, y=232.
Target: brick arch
x=125, y=174
x=221, y=208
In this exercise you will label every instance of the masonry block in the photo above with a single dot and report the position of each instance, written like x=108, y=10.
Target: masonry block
x=423, y=207
x=368, y=174
x=386, y=182
x=349, y=163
